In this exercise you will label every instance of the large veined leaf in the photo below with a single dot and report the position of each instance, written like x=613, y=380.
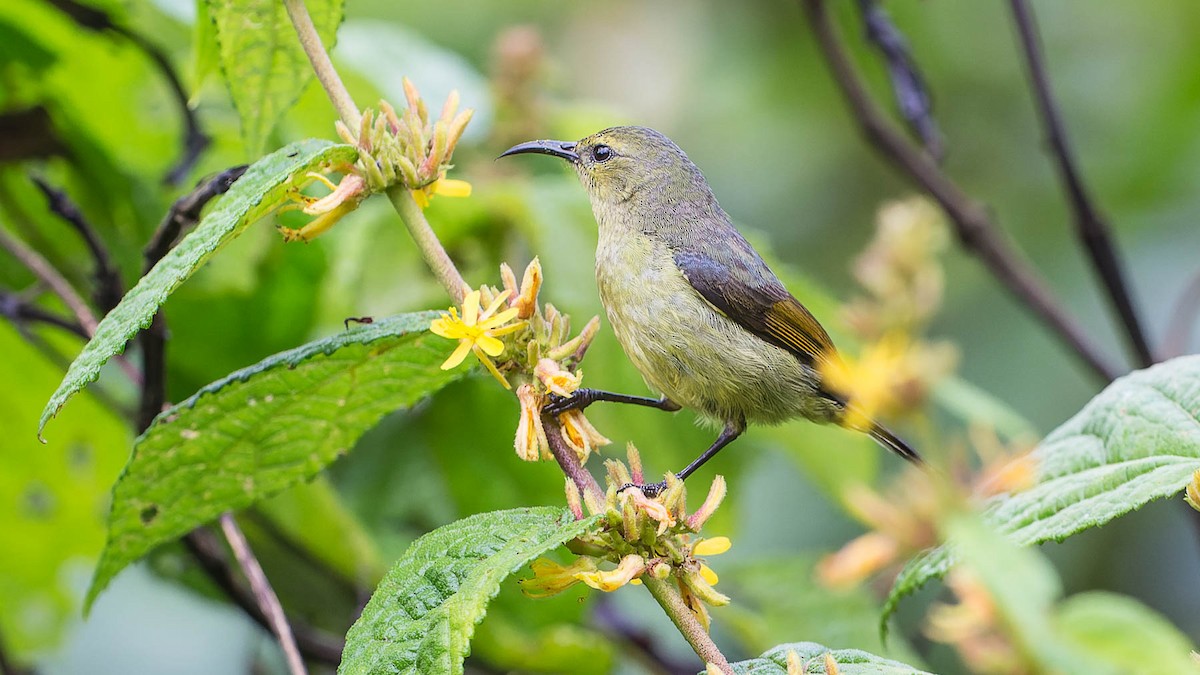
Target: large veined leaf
x=1137, y=441
x=264, y=66
x=265, y=428
x=812, y=659
x=250, y=198
x=422, y=616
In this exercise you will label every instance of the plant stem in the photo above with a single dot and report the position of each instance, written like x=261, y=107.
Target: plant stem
x=672, y=603
x=568, y=461
x=431, y=248
x=263, y=593
x=976, y=230
x=331, y=82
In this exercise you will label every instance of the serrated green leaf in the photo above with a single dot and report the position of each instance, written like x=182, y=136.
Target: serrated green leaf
x=263, y=429
x=1136, y=441
x=812, y=657
x=422, y=616
x=253, y=195
x=264, y=66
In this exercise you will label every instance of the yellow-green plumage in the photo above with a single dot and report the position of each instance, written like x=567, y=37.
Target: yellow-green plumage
x=694, y=306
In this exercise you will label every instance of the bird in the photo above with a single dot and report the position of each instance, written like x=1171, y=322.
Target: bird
x=696, y=309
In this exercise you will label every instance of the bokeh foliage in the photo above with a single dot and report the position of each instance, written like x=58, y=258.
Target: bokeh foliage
x=758, y=115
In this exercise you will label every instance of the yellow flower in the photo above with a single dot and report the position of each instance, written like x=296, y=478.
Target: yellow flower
x=341, y=200
x=579, y=433
x=447, y=187
x=477, y=332
x=557, y=380
x=893, y=375
x=709, y=547
x=631, y=567
x=531, y=443
x=550, y=578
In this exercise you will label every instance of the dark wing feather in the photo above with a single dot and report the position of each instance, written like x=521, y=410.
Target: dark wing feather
x=736, y=281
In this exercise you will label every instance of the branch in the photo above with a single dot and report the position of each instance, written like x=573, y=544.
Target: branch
x=19, y=310
x=327, y=75
x=109, y=287
x=912, y=96
x=974, y=227
x=183, y=214
x=668, y=597
x=312, y=643
x=431, y=248
x=194, y=140
x=568, y=461
x=264, y=595
x=1090, y=226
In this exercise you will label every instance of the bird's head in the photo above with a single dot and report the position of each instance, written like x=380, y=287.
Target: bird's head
x=621, y=163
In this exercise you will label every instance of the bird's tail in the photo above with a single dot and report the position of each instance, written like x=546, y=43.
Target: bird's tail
x=890, y=441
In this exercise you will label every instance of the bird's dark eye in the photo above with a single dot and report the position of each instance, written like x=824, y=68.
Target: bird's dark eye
x=601, y=153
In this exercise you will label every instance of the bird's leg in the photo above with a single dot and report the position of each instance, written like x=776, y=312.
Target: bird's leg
x=582, y=398
x=731, y=431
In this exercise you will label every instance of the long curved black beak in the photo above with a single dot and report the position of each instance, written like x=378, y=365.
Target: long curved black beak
x=561, y=149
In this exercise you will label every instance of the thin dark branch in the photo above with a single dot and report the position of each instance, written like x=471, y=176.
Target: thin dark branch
x=19, y=310
x=1091, y=227
x=264, y=595
x=109, y=287
x=912, y=96
x=184, y=213
x=313, y=643
x=972, y=223
x=194, y=140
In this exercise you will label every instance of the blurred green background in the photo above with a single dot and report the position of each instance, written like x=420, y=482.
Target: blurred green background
x=742, y=89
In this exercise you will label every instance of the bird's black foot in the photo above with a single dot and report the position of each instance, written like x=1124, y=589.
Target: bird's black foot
x=561, y=404
x=651, y=490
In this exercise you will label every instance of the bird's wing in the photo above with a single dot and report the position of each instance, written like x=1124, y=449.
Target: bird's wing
x=738, y=284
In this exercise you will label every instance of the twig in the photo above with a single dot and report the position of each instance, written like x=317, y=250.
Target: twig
x=1183, y=317
x=568, y=461
x=109, y=287
x=975, y=228
x=194, y=139
x=263, y=593
x=912, y=96
x=184, y=213
x=1093, y=230
x=327, y=75
x=19, y=310
x=48, y=275
x=431, y=248
x=313, y=643
x=672, y=603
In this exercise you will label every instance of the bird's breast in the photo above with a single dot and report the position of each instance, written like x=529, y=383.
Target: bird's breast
x=682, y=346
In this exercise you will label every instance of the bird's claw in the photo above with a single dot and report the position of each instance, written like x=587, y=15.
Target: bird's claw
x=651, y=490
x=559, y=405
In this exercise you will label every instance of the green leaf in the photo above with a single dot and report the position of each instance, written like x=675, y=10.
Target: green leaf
x=262, y=61
x=1137, y=441
x=421, y=618
x=254, y=195
x=265, y=428
x=812, y=657
x=1125, y=633
x=51, y=501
